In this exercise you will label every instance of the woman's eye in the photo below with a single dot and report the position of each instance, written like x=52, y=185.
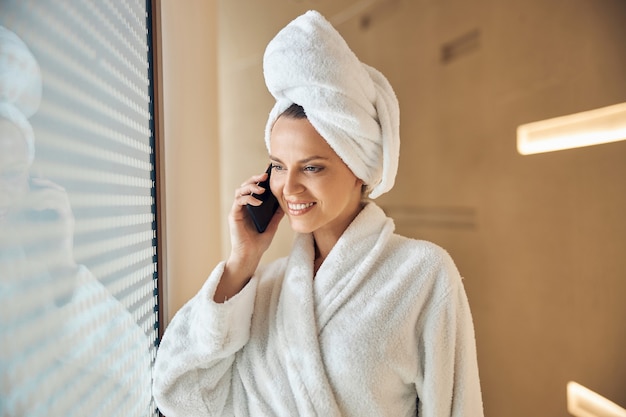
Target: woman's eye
x=276, y=167
x=313, y=169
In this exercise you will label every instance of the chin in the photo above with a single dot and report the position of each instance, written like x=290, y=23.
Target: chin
x=299, y=226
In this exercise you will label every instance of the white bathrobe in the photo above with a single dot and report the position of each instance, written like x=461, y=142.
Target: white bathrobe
x=383, y=329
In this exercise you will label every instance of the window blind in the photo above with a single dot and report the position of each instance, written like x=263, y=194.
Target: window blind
x=78, y=265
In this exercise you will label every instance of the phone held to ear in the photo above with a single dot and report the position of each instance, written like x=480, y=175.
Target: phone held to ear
x=261, y=215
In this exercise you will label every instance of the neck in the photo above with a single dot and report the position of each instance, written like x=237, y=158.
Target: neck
x=319, y=259
x=325, y=239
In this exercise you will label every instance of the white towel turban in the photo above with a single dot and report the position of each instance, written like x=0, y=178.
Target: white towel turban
x=350, y=104
x=20, y=85
x=20, y=76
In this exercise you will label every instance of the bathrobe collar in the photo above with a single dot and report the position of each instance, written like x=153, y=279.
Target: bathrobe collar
x=307, y=303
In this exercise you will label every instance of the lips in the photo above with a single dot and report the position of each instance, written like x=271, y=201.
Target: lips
x=299, y=208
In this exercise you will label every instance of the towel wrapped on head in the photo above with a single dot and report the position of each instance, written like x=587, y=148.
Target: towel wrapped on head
x=20, y=85
x=20, y=76
x=350, y=104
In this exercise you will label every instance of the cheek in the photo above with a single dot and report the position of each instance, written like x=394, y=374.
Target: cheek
x=275, y=186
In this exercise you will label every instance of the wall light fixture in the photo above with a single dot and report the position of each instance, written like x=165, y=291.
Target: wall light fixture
x=593, y=127
x=582, y=402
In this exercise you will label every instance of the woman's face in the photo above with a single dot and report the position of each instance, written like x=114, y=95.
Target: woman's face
x=315, y=188
x=14, y=166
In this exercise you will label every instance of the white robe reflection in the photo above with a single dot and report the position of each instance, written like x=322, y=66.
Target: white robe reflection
x=67, y=346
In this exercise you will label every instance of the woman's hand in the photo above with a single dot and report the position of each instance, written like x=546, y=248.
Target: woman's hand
x=247, y=245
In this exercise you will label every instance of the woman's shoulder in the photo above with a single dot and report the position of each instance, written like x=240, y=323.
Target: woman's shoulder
x=420, y=251
x=423, y=264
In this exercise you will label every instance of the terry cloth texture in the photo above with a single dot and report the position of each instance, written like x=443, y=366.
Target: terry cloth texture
x=383, y=329
x=20, y=85
x=350, y=104
x=20, y=76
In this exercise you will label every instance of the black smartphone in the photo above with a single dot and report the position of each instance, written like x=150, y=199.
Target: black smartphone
x=261, y=215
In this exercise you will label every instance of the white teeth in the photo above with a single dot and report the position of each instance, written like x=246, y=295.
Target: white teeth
x=299, y=206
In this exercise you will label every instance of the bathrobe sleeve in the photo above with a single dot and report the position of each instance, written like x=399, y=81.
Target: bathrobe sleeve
x=194, y=363
x=450, y=385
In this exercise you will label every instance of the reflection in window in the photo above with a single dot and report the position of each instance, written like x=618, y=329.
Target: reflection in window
x=77, y=223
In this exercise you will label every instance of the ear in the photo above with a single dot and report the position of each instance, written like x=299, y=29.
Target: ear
x=365, y=190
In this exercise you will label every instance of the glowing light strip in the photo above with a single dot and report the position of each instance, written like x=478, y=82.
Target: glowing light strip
x=582, y=402
x=593, y=127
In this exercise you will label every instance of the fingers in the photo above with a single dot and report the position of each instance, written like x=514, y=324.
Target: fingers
x=45, y=195
x=49, y=198
x=41, y=183
x=243, y=194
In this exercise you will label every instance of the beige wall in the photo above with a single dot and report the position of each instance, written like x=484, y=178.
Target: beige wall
x=539, y=239
x=191, y=151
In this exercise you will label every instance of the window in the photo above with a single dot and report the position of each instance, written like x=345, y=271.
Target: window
x=78, y=253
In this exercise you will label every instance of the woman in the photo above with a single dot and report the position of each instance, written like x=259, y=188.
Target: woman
x=356, y=321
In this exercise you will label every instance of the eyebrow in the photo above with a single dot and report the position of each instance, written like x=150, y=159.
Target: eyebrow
x=302, y=161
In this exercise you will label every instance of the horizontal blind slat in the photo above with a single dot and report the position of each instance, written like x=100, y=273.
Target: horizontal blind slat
x=78, y=247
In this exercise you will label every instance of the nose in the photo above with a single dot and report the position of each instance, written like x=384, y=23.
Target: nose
x=292, y=184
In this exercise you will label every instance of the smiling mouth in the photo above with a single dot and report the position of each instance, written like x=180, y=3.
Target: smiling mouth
x=298, y=208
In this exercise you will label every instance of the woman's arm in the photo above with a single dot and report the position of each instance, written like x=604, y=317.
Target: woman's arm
x=193, y=368
x=247, y=245
x=450, y=385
